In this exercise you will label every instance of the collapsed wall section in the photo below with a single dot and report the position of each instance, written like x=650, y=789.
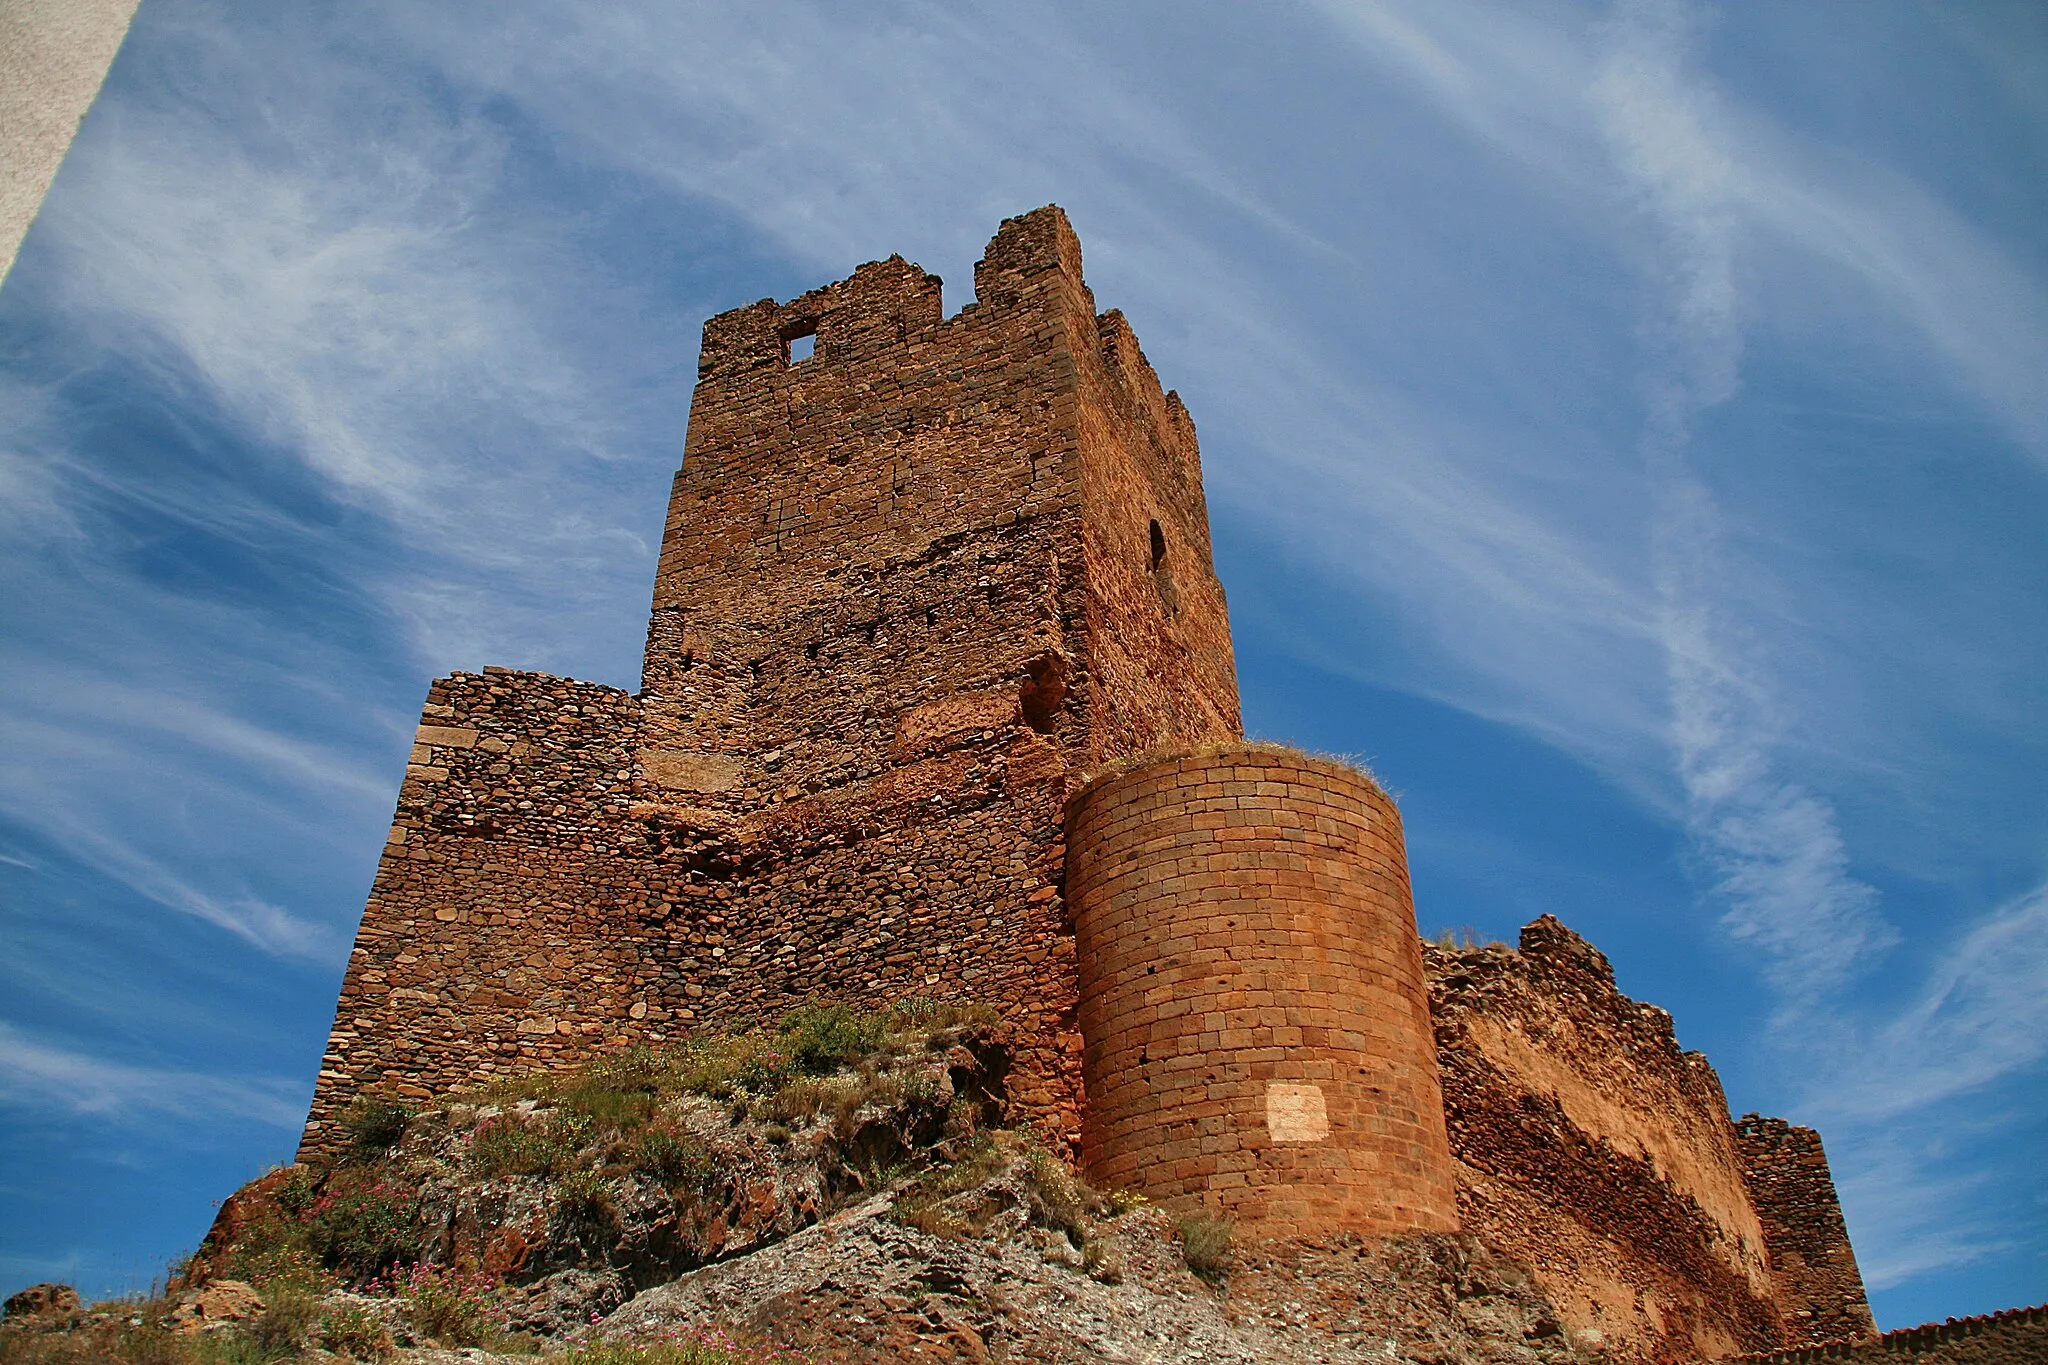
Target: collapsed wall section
x=1820, y=1289
x=486, y=945
x=1252, y=999
x=1596, y=1152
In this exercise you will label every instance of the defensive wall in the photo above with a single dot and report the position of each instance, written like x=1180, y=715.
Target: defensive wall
x=2018, y=1336
x=915, y=588
x=1597, y=1153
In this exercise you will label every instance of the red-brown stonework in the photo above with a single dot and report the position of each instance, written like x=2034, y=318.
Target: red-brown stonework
x=912, y=587
x=1596, y=1152
x=1820, y=1290
x=1252, y=999
x=2018, y=1336
x=909, y=584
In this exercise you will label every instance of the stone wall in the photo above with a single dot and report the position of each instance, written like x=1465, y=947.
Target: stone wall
x=1594, y=1151
x=1820, y=1290
x=909, y=584
x=2018, y=1336
x=1252, y=998
x=485, y=946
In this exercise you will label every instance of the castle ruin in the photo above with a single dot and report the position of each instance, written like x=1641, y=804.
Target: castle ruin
x=939, y=700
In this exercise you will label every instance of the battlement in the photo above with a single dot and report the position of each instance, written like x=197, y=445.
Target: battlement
x=885, y=305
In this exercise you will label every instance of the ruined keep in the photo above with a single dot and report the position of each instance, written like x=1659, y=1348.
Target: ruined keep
x=939, y=700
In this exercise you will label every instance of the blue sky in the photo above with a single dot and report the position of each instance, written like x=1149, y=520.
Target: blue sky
x=1624, y=425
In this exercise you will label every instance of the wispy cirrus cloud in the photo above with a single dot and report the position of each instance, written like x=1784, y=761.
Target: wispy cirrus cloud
x=1775, y=848
x=1979, y=1015
x=43, y=1075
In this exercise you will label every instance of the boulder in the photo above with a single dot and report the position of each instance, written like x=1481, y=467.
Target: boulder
x=49, y=1304
x=214, y=1305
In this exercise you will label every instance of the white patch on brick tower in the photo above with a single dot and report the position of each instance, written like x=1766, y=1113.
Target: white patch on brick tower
x=1295, y=1112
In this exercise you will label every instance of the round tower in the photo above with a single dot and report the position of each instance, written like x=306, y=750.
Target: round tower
x=1252, y=1000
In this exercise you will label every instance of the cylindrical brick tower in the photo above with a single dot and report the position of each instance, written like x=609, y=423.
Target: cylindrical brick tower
x=1252, y=1000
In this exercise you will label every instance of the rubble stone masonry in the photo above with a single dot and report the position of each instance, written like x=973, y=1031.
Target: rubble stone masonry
x=915, y=586
x=1820, y=1290
x=1596, y=1152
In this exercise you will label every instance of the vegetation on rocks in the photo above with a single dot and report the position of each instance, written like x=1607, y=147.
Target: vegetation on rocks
x=835, y=1187
x=509, y=1216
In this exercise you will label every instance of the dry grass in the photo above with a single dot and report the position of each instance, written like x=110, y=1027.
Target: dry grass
x=1463, y=939
x=1209, y=748
x=1204, y=1244
x=753, y=1067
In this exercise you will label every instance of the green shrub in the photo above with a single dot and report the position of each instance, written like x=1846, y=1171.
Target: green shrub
x=448, y=1306
x=375, y=1125
x=363, y=1227
x=298, y=1191
x=1121, y=1202
x=732, y=1065
x=606, y=1105
x=583, y=1191
x=1058, y=1199
x=355, y=1331
x=823, y=1039
x=510, y=1145
x=1204, y=1243
x=670, y=1155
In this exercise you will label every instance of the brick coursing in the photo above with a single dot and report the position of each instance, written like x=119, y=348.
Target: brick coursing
x=1252, y=997
x=1820, y=1290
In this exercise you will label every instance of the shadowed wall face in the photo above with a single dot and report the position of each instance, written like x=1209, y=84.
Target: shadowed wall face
x=1252, y=997
x=54, y=55
x=1820, y=1289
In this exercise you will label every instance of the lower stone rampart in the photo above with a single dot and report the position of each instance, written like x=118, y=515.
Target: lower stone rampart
x=1594, y=1151
x=534, y=906
x=2018, y=1336
x=1820, y=1290
x=1256, y=1024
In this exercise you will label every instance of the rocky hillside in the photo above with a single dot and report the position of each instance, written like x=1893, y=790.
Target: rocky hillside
x=839, y=1188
